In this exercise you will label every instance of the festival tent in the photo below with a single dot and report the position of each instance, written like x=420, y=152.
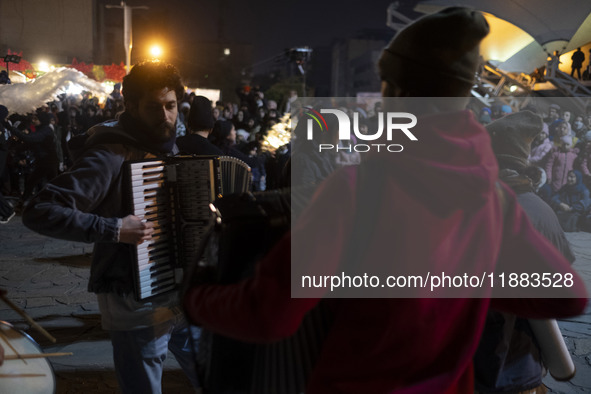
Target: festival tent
x=524, y=32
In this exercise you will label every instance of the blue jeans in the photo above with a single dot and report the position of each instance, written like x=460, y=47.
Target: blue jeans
x=139, y=354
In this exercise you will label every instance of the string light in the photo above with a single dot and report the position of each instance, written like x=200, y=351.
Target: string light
x=278, y=135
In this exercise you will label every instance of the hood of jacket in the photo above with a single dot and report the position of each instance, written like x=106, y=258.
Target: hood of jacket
x=450, y=166
x=111, y=132
x=115, y=132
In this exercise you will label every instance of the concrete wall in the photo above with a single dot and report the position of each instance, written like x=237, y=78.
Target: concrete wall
x=55, y=30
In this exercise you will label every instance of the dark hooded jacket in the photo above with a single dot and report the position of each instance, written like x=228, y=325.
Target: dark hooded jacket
x=86, y=204
x=575, y=196
x=42, y=141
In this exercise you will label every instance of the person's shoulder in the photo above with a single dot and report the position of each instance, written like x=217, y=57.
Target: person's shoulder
x=182, y=139
x=531, y=201
x=111, y=139
x=44, y=130
x=110, y=132
x=198, y=145
x=109, y=126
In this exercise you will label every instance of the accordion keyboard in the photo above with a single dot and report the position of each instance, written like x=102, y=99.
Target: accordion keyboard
x=174, y=194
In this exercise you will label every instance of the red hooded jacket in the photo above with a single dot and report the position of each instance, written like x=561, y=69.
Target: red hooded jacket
x=438, y=208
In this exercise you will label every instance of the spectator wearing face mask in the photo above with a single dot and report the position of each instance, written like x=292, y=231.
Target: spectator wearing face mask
x=579, y=128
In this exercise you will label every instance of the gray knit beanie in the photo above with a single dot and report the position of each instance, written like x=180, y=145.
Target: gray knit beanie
x=437, y=55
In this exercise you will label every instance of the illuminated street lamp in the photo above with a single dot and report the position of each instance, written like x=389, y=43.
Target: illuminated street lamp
x=155, y=51
x=43, y=66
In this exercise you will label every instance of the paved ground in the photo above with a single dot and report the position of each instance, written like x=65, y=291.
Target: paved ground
x=48, y=278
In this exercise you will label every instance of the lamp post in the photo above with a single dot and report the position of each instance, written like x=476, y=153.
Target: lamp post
x=127, y=36
x=300, y=56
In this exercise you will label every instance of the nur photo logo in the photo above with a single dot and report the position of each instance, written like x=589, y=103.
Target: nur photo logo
x=388, y=122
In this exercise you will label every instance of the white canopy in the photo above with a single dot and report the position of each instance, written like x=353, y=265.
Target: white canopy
x=524, y=32
x=26, y=97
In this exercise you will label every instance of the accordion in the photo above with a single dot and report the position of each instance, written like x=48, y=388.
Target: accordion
x=249, y=227
x=175, y=195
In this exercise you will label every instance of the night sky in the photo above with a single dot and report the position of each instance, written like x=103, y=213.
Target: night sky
x=269, y=25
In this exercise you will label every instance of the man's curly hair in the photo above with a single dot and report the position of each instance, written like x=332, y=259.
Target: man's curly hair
x=149, y=76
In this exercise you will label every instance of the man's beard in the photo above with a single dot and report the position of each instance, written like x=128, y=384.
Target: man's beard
x=162, y=132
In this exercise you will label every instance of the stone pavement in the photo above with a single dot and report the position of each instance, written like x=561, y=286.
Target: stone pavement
x=48, y=278
x=577, y=330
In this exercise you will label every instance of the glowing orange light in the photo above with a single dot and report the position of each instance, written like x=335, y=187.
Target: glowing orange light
x=156, y=51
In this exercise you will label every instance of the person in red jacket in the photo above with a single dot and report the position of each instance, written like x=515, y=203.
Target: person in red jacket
x=436, y=208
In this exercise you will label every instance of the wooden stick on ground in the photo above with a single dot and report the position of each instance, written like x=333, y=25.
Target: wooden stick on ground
x=27, y=318
x=38, y=355
x=21, y=375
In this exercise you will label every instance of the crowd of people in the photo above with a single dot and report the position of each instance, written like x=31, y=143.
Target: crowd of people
x=35, y=147
x=456, y=217
x=561, y=152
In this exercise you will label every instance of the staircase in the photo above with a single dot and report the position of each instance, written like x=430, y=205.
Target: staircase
x=493, y=82
x=569, y=87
